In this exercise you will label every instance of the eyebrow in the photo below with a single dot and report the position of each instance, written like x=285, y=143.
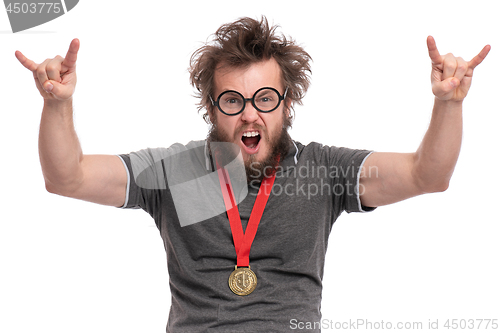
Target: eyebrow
x=268, y=86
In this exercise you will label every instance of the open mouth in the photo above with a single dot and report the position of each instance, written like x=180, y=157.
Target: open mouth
x=251, y=139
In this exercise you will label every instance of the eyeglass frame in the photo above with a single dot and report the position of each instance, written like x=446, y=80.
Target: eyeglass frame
x=245, y=100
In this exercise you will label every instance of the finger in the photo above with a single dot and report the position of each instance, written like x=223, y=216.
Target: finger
x=57, y=89
x=462, y=68
x=29, y=64
x=440, y=89
x=71, y=56
x=449, y=66
x=38, y=85
x=480, y=57
x=53, y=69
x=41, y=72
x=433, y=51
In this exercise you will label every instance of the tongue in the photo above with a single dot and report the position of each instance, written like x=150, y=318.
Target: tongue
x=251, y=142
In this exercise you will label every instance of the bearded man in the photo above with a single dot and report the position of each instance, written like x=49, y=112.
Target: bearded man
x=245, y=215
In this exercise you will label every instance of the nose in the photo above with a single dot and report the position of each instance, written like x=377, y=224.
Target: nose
x=249, y=114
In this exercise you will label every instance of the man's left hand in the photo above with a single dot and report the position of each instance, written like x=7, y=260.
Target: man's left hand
x=451, y=76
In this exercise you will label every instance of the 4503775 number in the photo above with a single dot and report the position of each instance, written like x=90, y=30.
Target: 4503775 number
x=34, y=7
x=471, y=324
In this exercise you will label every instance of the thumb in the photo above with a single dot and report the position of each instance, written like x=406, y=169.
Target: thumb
x=57, y=89
x=445, y=87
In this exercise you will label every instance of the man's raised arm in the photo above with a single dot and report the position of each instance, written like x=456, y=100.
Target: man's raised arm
x=390, y=177
x=97, y=178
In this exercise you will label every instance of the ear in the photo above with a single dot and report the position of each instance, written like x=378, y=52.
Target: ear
x=211, y=115
x=288, y=106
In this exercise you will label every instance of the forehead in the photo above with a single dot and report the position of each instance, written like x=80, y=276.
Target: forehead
x=247, y=80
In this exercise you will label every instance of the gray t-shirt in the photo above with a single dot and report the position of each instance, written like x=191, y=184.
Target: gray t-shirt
x=314, y=185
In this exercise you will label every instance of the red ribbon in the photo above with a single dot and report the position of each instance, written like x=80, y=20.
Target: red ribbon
x=243, y=242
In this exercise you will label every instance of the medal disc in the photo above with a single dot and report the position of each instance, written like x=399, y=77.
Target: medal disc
x=242, y=281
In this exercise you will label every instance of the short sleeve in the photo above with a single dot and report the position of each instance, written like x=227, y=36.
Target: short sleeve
x=348, y=164
x=132, y=195
x=145, y=179
x=353, y=202
x=344, y=165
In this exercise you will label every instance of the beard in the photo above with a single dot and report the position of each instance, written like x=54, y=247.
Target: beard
x=279, y=144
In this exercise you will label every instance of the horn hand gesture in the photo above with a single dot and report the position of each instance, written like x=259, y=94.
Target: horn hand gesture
x=452, y=76
x=55, y=78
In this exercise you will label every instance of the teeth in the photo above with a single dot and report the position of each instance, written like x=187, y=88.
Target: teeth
x=250, y=134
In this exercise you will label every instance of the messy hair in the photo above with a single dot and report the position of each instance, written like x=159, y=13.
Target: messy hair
x=245, y=42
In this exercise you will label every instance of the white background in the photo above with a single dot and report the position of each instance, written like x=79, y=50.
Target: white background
x=72, y=266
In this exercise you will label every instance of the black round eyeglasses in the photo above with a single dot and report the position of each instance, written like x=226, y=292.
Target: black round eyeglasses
x=232, y=103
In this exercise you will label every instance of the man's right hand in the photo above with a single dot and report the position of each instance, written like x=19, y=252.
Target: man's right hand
x=55, y=78
x=67, y=171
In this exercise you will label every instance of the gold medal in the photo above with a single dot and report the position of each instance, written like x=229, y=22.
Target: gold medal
x=242, y=281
